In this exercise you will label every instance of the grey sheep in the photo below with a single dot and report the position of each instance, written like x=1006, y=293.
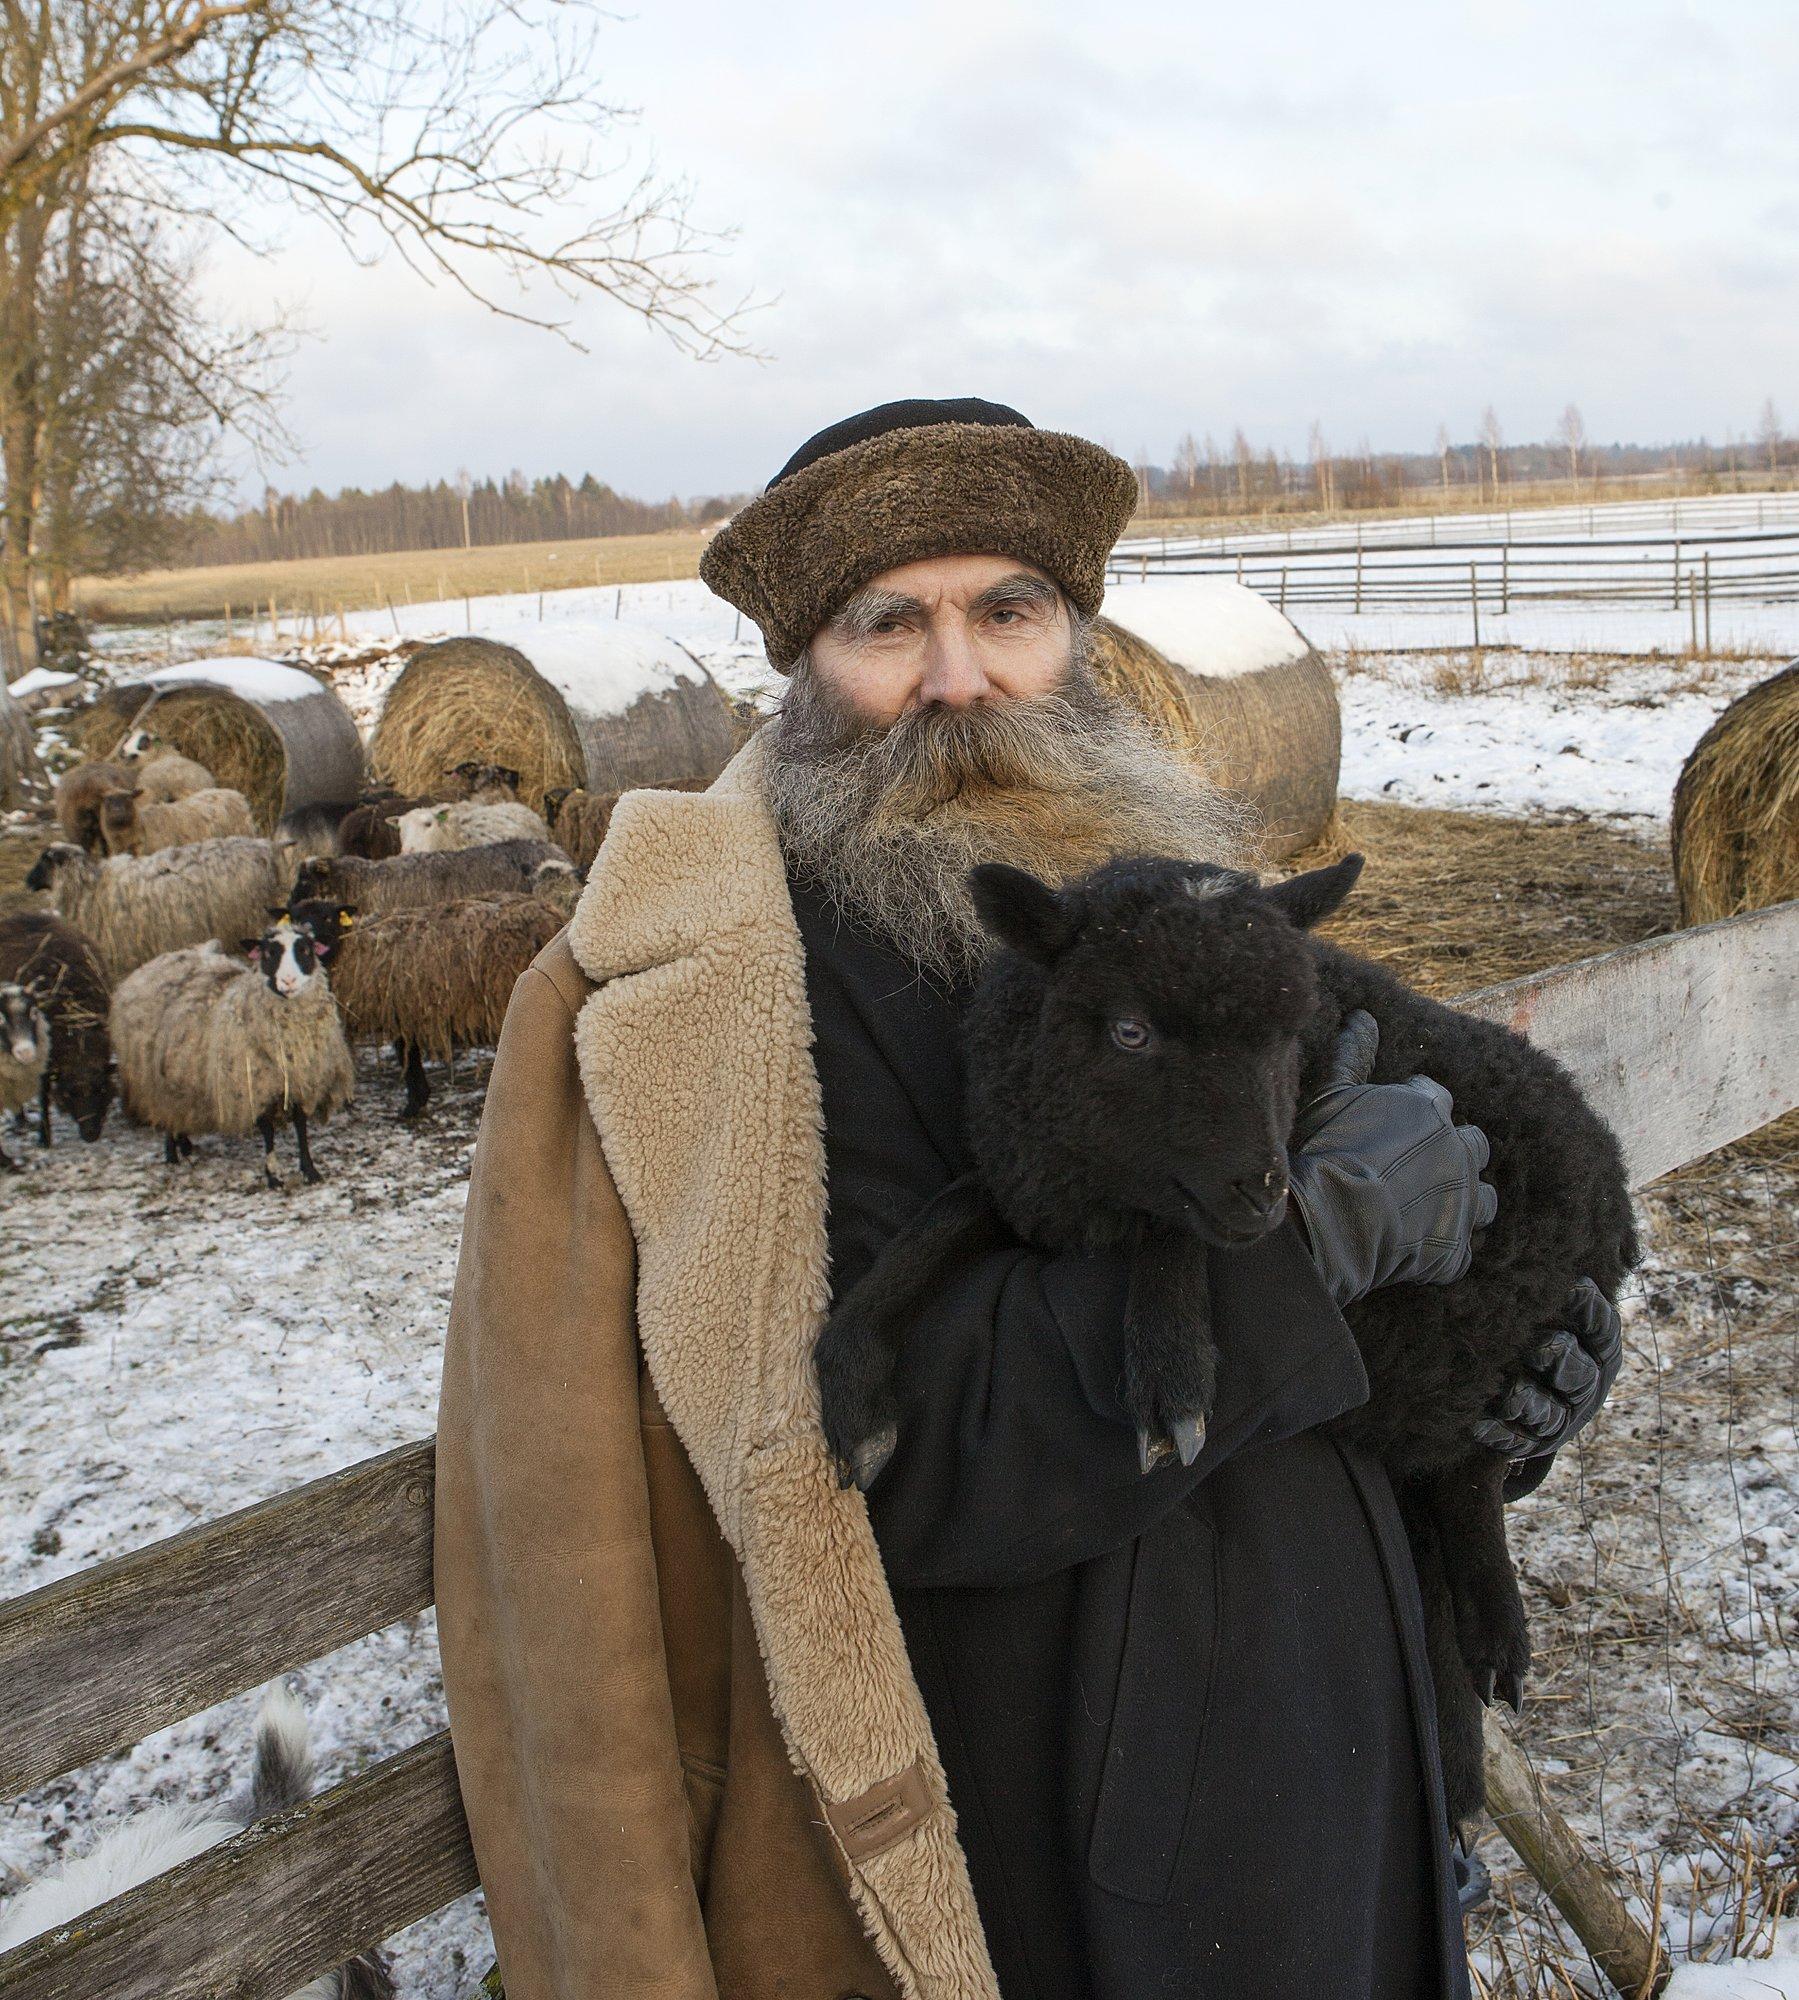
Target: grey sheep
x=209, y=1042
x=405, y=880
x=132, y=823
x=24, y=1054
x=133, y=908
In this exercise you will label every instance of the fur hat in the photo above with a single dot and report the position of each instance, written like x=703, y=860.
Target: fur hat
x=913, y=479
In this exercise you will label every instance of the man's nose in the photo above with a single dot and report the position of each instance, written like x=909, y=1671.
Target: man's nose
x=953, y=674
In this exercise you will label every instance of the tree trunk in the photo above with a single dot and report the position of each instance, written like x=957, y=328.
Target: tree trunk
x=22, y=780
x=21, y=256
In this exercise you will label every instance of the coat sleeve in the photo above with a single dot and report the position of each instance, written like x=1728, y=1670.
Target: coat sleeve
x=553, y=1658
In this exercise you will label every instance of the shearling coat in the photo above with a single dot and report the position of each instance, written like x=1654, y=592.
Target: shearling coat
x=695, y=1757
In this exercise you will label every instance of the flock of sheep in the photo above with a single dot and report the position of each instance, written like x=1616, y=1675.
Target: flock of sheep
x=220, y=978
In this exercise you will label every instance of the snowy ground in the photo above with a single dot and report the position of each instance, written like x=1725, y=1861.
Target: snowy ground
x=174, y=1344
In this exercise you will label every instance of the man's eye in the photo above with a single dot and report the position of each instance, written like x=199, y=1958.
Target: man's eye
x=1131, y=1034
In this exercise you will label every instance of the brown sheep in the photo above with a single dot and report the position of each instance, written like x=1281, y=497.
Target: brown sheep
x=78, y=796
x=131, y=824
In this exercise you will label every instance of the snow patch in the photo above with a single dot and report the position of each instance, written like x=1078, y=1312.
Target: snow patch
x=256, y=680
x=1736, y=1979
x=1206, y=624
x=606, y=667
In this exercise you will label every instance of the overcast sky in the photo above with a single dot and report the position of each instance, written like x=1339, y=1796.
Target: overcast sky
x=1134, y=219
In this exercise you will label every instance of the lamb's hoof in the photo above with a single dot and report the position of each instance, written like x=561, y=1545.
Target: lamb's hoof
x=410, y=1114
x=1184, y=1440
x=869, y=1459
x=311, y=1176
x=1483, y=1686
x=1511, y=1685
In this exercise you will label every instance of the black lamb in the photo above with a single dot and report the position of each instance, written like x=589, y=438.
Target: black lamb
x=61, y=970
x=1134, y=1057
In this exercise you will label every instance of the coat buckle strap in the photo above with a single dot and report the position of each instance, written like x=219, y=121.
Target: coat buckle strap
x=886, y=1813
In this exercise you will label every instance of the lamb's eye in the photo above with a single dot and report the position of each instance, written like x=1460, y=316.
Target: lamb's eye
x=1131, y=1034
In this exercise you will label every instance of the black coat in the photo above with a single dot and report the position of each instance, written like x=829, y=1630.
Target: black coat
x=1186, y=1718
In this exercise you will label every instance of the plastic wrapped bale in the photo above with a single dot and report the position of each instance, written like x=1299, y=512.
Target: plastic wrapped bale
x=604, y=707
x=1230, y=681
x=1735, y=823
x=272, y=732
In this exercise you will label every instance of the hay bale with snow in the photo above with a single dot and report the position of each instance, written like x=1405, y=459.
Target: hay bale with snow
x=279, y=736
x=1736, y=807
x=1226, y=678
x=603, y=707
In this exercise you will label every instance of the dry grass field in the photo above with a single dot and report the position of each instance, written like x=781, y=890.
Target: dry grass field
x=320, y=585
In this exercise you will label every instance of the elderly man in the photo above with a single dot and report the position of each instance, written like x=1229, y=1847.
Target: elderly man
x=1027, y=1720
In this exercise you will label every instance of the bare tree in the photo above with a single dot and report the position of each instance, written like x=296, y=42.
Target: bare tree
x=468, y=140
x=1494, y=440
x=1571, y=435
x=1768, y=435
x=1443, y=453
x=1244, y=454
x=1319, y=451
x=1186, y=465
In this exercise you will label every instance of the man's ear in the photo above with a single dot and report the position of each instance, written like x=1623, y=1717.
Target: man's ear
x=1308, y=899
x=1027, y=914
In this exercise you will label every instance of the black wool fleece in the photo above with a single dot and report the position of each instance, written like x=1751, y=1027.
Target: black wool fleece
x=1186, y=1717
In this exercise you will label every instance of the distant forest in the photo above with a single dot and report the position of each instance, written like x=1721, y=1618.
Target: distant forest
x=456, y=514
x=1204, y=477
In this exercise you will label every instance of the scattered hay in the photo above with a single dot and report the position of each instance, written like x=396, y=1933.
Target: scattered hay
x=20, y=847
x=1736, y=807
x=1455, y=901
x=230, y=736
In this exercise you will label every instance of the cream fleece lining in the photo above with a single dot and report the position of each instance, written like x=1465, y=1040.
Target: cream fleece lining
x=695, y=1055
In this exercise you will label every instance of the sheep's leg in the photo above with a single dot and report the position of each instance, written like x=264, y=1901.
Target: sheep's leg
x=1459, y=1736
x=266, y=1126
x=8, y=1165
x=308, y=1172
x=1170, y=1362
x=418, y=1087
x=43, y=1110
x=186, y=1145
x=1468, y=1503
x=856, y=1352
x=171, y=1149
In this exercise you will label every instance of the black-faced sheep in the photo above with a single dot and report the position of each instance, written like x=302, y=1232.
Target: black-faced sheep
x=132, y=823
x=134, y=907
x=1133, y=1062
x=161, y=1837
x=207, y=1042
x=407, y=880
x=24, y=1054
x=78, y=796
x=62, y=972
x=430, y=979
x=446, y=829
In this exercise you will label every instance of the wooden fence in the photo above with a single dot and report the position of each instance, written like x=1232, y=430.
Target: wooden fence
x=1684, y=1043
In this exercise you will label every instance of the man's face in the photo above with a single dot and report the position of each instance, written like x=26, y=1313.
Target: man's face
x=949, y=632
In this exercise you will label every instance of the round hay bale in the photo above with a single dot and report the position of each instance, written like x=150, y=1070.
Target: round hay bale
x=279, y=736
x=1226, y=679
x=603, y=707
x=1736, y=807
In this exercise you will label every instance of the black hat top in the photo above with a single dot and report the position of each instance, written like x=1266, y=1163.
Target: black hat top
x=910, y=413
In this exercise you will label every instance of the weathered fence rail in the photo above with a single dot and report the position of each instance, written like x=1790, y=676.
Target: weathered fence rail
x=1685, y=1043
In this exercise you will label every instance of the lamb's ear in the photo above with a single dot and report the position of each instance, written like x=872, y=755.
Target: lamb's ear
x=1308, y=899
x=1020, y=911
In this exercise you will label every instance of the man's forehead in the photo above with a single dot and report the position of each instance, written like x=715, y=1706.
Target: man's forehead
x=955, y=578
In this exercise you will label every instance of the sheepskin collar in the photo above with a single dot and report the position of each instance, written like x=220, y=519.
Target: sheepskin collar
x=695, y=1055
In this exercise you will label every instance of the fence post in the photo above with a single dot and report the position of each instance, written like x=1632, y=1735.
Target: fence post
x=1358, y=568
x=1708, y=600
x=1693, y=609
x=1677, y=561
x=1505, y=578
x=1474, y=601
x=1284, y=588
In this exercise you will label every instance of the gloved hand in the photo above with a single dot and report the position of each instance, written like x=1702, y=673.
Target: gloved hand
x=1387, y=1188
x=1571, y=1372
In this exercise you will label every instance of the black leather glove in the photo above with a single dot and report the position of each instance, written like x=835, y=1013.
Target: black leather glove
x=1571, y=1372
x=1386, y=1185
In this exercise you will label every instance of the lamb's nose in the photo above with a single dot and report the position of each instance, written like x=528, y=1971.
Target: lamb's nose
x=1264, y=1192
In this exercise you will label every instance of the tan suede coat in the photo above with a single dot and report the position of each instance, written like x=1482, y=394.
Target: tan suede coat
x=693, y=1754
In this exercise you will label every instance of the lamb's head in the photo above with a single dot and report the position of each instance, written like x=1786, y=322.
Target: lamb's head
x=24, y=1032
x=289, y=958
x=1163, y=1003
x=317, y=877
x=140, y=746
x=119, y=819
x=58, y=856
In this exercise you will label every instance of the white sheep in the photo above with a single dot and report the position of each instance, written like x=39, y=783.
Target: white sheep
x=209, y=1042
x=162, y=1837
x=167, y=775
x=444, y=829
x=133, y=908
x=24, y=1052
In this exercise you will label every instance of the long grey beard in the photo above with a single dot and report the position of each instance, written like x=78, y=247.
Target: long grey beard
x=888, y=819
